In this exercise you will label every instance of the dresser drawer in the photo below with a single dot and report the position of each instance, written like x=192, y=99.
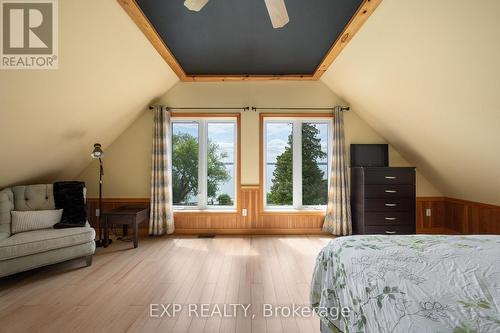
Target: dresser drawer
x=390, y=218
x=390, y=230
x=390, y=176
x=389, y=191
x=389, y=205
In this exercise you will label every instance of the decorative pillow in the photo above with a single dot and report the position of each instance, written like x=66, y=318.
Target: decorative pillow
x=35, y=219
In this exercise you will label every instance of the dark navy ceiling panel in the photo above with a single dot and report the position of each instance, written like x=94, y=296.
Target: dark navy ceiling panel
x=235, y=37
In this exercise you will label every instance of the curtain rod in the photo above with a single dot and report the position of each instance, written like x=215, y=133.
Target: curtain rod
x=243, y=108
x=327, y=108
x=254, y=108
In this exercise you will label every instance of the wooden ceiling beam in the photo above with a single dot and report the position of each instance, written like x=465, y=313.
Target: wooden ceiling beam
x=362, y=14
x=140, y=19
x=366, y=8
x=208, y=78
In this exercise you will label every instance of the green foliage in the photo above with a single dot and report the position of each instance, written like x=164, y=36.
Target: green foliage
x=217, y=173
x=314, y=187
x=185, y=168
x=282, y=189
x=224, y=200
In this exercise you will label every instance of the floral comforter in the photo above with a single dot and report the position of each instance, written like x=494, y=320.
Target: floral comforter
x=410, y=283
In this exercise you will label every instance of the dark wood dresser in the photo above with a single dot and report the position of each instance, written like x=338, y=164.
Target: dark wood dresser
x=383, y=200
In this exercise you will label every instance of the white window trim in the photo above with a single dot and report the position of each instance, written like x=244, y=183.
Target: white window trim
x=203, y=163
x=297, y=162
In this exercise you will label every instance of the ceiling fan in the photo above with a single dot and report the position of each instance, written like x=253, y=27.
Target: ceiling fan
x=276, y=9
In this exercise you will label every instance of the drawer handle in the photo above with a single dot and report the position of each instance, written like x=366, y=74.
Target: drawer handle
x=390, y=232
x=390, y=177
x=391, y=191
x=391, y=205
x=391, y=218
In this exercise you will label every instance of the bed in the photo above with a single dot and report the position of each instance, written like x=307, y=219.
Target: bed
x=408, y=283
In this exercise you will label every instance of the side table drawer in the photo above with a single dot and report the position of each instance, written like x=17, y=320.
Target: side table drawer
x=112, y=219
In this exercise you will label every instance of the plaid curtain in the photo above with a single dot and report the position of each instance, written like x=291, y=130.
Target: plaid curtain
x=161, y=218
x=338, y=212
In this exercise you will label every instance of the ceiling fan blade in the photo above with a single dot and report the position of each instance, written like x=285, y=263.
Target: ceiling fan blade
x=277, y=13
x=195, y=5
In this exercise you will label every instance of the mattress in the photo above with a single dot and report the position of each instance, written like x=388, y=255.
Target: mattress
x=408, y=283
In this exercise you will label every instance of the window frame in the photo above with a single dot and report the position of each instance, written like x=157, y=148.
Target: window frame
x=203, y=120
x=294, y=119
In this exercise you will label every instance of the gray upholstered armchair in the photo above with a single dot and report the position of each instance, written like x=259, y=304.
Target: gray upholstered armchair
x=31, y=249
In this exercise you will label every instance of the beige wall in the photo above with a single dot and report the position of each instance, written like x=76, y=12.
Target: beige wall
x=426, y=74
x=49, y=119
x=128, y=159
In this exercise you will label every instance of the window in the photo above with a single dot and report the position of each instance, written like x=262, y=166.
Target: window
x=204, y=163
x=296, y=163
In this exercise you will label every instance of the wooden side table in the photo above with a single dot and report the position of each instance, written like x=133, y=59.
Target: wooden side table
x=126, y=216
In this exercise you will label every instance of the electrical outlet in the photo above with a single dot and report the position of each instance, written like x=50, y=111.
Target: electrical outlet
x=244, y=212
x=428, y=212
x=97, y=212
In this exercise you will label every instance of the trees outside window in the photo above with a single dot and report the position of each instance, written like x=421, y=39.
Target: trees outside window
x=296, y=163
x=314, y=164
x=203, y=163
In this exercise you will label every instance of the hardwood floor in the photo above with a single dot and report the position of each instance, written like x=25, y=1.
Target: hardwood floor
x=115, y=293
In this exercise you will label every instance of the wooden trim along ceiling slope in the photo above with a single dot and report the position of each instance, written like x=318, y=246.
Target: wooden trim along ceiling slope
x=364, y=11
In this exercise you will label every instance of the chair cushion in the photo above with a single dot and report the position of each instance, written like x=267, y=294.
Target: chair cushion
x=6, y=206
x=34, y=220
x=31, y=242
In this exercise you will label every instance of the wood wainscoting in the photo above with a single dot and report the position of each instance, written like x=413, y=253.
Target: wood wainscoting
x=256, y=221
x=437, y=220
x=448, y=215
x=460, y=216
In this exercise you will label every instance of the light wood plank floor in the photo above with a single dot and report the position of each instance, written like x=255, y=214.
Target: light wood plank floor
x=115, y=293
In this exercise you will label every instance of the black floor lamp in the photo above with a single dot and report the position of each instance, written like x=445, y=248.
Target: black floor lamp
x=97, y=154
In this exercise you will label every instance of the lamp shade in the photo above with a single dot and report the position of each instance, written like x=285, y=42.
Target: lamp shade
x=97, y=152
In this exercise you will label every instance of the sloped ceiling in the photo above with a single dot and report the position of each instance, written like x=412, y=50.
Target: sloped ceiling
x=426, y=75
x=108, y=72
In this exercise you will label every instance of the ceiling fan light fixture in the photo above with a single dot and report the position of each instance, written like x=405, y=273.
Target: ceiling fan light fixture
x=195, y=5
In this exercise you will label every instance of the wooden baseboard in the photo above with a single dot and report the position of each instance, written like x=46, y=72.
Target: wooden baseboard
x=296, y=231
